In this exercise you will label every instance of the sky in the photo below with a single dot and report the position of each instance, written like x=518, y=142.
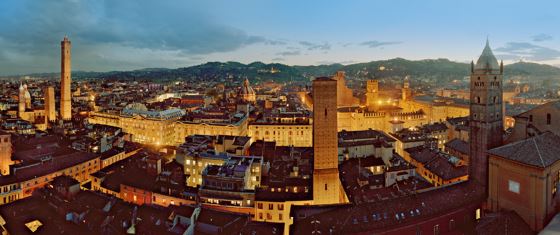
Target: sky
x=110, y=35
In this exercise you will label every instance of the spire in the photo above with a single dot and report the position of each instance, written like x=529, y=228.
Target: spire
x=487, y=60
x=502, y=66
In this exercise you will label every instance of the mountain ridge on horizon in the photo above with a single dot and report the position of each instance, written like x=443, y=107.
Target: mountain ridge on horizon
x=432, y=69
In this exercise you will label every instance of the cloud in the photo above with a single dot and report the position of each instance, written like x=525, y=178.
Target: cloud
x=276, y=42
x=375, y=43
x=525, y=50
x=542, y=37
x=278, y=59
x=31, y=33
x=315, y=46
x=288, y=53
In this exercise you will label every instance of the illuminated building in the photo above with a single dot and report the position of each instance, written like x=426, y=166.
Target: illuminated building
x=362, y=144
x=5, y=153
x=65, y=80
x=200, y=151
x=169, y=127
x=231, y=186
x=286, y=129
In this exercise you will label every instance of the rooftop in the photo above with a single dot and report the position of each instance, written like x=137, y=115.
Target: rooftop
x=381, y=216
x=538, y=151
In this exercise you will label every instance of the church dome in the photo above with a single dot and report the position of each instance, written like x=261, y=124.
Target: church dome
x=487, y=60
x=246, y=89
x=246, y=92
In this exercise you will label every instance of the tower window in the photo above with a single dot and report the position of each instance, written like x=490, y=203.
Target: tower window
x=495, y=77
x=478, y=78
x=530, y=118
x=478, y=100
x=325, y=187
x=325, y=112
x=495, y=98
x=548, y=119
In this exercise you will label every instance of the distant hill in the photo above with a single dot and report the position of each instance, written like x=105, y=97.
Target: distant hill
x=532, y=69
x=431, y=70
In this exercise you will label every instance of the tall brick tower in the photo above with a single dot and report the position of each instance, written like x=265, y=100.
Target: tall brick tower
x=65, y=80
x=327, y=188
x=486, y=113
x=50, y=109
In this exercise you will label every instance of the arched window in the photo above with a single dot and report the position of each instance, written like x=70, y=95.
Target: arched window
x=325, y=112
x=548, y=119
x=495, y=99
x=530, y=118
x=478, y=100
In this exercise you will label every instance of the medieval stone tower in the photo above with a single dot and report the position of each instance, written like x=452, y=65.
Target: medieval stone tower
x=486, y=112
x=372, y=94
x=65, y=80
x=406, y=91
x=327, y=188
x=50, y=109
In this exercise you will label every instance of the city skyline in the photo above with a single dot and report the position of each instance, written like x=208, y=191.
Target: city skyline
x=133, y=35
x=389, y=147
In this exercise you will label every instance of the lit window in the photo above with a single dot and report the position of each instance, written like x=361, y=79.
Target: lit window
x=477, y=214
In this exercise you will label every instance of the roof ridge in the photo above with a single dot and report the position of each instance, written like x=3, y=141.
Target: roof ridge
x=539, y=152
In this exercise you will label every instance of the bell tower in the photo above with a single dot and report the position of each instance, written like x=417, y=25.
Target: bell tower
x=486, y=113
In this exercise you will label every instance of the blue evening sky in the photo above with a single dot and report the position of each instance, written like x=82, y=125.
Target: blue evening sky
x=132, y=34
